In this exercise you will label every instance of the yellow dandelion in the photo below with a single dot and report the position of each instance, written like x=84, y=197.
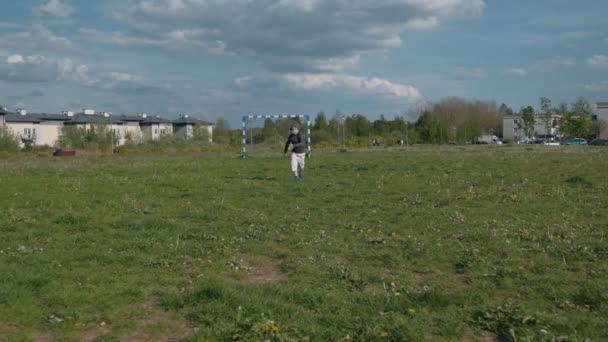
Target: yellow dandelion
x=383, y=334
x=270, y=327
x=411, y=311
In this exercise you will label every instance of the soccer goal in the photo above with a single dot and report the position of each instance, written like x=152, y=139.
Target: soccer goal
x=248, y=119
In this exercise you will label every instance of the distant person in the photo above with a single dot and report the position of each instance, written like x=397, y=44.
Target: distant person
x=298, y=152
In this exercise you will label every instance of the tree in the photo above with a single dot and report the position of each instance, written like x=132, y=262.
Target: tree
x=359, y=125
x=577, y=123
x=8, y=141
x=201, y=133
x=337, y=126
x=269, y=131
x=381, y=126
x=528, y=121
x=222, y=131
x=430, y=130
x=547, y=114
x=469, y=132
x=321, y=122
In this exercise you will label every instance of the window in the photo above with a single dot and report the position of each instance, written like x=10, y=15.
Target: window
x=155, y=131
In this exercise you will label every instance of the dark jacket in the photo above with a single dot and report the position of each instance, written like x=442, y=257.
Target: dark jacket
x=296, y=141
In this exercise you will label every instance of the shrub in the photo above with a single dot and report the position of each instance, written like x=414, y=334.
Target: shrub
x=156, y=149
x=6, y=155
x=121, y=150
x=8, y=141
x=358, y=142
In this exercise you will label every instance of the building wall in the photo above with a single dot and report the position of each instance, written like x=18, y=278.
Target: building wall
x=210, y=130
x=182, y=131
x=602, y=119
x=48, y=133
x=511, y=130
x=153, y=132
x=188, y=131
x=27, y=130
x=165, y=129
x=134, y=130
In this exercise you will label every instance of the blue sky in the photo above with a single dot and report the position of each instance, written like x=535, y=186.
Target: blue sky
x=214, y=58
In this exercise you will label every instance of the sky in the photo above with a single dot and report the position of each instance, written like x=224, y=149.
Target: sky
x=226, y=58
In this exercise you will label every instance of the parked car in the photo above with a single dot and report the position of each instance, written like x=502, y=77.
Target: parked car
x=599, y=142
x=551, y=143
x=575, y=142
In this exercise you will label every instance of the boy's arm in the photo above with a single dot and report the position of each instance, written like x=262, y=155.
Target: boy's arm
x=287, y=145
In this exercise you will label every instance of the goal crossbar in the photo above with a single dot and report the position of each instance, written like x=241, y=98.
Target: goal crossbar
x=247, y=118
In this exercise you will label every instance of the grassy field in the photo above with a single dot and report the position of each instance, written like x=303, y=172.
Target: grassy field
x=435, y=244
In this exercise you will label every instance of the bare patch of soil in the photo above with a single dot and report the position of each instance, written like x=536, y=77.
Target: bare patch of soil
x=268, y=273
x=152, y=324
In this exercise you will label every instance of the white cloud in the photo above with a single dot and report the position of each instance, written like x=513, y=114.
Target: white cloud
x=30, y=69
x=598, y=62
x=520, y=72
x=37, y=40
x=283, y=35
x=599, y=87
x=371, y=86
x=119, y=82
x=15, y=59
x=55, y=8
x=124, y=77
x=420, y=24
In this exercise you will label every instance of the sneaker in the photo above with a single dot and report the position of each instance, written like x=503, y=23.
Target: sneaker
x=301, y=174
x=296, y=178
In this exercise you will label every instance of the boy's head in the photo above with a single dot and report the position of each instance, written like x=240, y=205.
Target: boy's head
x=294, y=129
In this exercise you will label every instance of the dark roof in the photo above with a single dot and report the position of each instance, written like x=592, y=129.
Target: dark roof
x=191, y=121
x=82, y=118
x=154, y=120
x=14, y=117
x=51, y=117
x=602, y=105
x=132, y=118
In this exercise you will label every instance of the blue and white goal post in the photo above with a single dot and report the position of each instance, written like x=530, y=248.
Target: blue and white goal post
x=247, y=118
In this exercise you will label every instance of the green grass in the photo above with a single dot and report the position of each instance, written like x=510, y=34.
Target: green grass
x=440, y=244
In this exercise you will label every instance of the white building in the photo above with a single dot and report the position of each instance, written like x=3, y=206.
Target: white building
x=153, y=128
x=511, y=127
x=23, y=126
x=2, y=117
x=46, y=129
x=185, y=126
x=602, y=119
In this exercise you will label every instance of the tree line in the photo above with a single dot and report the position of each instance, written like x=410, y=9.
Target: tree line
x=451, y=120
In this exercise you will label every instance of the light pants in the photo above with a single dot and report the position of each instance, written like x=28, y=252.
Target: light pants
x=298, y=161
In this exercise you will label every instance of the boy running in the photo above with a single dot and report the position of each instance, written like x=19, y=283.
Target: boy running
x=298, y=152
